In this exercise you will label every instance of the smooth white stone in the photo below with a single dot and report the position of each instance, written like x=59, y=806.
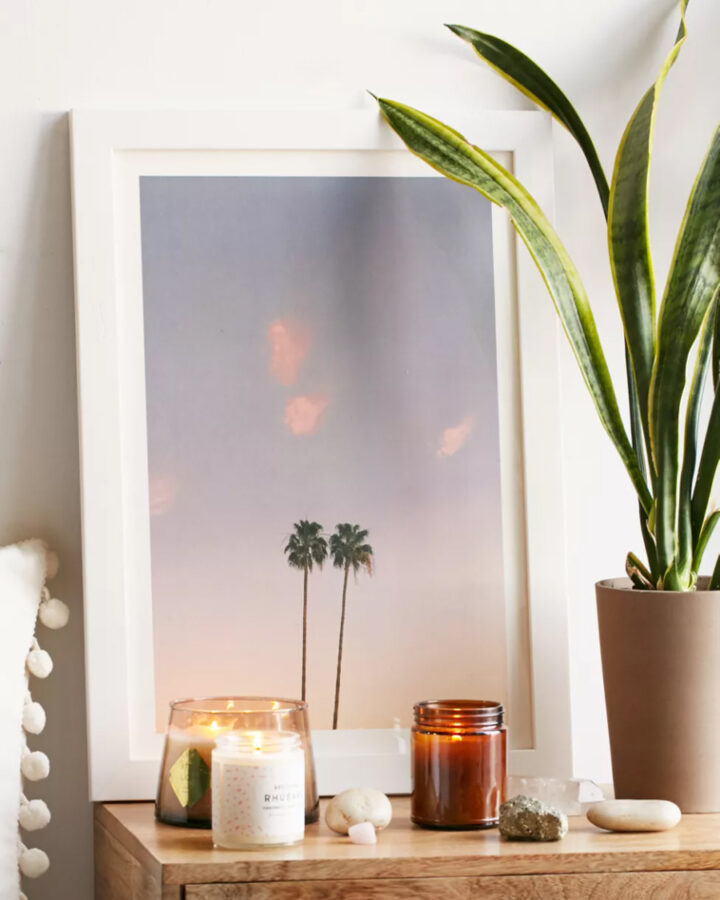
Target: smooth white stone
x=363, y=833
x=358, y=805
x=635, y=815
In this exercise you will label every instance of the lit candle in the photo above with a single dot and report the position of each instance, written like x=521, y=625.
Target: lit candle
x=258, y=789
x=458, y=763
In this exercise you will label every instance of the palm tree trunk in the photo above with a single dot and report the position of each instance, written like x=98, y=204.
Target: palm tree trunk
x=304, y=655
x=340, y=647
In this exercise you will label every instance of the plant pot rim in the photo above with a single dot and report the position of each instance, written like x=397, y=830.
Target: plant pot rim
x=625, y=586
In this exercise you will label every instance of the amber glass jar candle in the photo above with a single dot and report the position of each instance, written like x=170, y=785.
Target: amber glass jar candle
x=459, y=752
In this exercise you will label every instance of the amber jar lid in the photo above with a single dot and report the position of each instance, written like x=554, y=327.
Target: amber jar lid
x=453, y=716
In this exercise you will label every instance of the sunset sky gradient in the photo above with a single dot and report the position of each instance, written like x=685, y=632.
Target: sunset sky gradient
x=322, y=348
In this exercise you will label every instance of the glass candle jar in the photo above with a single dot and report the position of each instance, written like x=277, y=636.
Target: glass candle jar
x=258, y=790
x=184, y=794
x=458, y=763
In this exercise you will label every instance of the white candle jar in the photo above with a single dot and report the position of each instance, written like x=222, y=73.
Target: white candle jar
x=258, y=789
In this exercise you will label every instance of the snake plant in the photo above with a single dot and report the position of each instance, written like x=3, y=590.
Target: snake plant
x=673, y=482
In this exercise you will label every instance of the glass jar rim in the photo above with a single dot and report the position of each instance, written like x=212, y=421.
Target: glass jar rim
x=449, y=715
x=212, y=705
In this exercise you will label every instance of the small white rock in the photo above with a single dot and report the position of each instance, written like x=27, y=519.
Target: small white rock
x=35, y=766
x=363, y=833
x=54, y=613
x=34, y=815
x=634, y=815
x=358, y=805
x=34, y=862
x=39, y=663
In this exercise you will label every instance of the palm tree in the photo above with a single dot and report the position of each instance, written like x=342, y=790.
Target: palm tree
x=348, y=551
x=305, y=547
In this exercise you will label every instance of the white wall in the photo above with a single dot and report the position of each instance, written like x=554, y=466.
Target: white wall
x=233, y=54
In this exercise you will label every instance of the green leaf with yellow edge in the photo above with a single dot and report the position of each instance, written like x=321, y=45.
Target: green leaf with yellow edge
x=691, y=288
x=451, y=154
x=527, y=76
x=189, y=777
x=628, y=233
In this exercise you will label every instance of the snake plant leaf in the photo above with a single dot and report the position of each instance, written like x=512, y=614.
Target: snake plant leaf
x=535, y=83
x=691, y=286
x=692, y=418
x=450, y=153
x=628, y=232
x=702, y=542
x=706, y=468
x=715, y=580
x=716, y=353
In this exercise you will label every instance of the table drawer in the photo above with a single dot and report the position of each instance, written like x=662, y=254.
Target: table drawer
x=611, y=886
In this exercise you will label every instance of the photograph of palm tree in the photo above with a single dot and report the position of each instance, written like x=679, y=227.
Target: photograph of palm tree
x=323, y=457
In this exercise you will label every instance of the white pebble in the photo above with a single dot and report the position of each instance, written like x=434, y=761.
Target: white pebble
x=39, y=663
x=635, y=815
x=35, y=766
x=33, y=718
x=54, y=613
x=358, y=805
x=363, y=833
x=34, y=815
x=34, y=863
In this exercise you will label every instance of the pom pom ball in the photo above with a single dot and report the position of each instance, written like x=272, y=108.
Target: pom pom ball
x=54, y=613
x=34, y=815
x=39, y=663
x=34, y=863
x=33, y=718
x=35, y=766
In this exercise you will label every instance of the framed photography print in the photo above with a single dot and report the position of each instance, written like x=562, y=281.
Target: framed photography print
x=286, y=321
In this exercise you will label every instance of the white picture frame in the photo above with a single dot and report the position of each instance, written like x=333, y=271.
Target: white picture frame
x=110, y=150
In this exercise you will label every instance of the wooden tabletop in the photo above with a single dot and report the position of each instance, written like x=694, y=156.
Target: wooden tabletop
x=404, y=850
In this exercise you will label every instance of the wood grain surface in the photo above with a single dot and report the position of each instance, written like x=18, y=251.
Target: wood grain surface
x=144, y=857
x=616, y=886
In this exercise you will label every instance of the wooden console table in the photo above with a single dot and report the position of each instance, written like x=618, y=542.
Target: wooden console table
x=137, y=859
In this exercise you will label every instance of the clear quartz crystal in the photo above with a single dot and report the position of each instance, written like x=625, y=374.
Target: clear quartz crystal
x=572, y=796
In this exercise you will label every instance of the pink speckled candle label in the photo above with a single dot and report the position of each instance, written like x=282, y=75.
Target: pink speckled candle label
x=258, y=802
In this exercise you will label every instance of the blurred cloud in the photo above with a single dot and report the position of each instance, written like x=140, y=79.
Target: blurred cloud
x=454, y=438
x=303, y=414
x=289, y=344
x=163, y=490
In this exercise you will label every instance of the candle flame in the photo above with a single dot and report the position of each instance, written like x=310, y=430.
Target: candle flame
x=456, y=737
x=214, y=726
x=230, y=704
x=257, y=742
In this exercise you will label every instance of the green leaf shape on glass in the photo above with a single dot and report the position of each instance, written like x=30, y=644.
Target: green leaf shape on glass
x=189, y=777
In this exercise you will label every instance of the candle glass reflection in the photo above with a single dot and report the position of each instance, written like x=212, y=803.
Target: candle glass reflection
x=458, y=763
x=184, y=794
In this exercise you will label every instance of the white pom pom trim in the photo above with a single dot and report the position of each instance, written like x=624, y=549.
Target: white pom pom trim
x=34, y=815
x=39, y=662
x=54, y=613
x=35, y=766
x=33, y=862
x=33, y=717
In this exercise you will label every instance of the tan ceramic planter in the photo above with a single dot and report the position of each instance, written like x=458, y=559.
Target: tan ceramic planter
x=661, y=669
